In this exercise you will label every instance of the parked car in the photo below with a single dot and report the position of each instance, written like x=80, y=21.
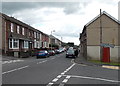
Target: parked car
x=51, y=52
x=57, y=51
x=61, y=50
x=42, y=53
x=70, y=53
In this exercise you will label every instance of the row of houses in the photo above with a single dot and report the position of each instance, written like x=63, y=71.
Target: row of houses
x=20, y=39
x=99, y=39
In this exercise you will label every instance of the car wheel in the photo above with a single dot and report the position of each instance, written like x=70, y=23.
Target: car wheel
x=37, y=57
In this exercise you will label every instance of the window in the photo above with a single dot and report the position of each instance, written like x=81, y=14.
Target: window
x=45, y=44
x=18, y=29
x=29, y=33
x=34, y=34
x=38, y=44
x=13, y=43
x=35, y=43
x=10, y=43
x=12, y=27
x=23, y=31
x=25, y=44
x=38, y=35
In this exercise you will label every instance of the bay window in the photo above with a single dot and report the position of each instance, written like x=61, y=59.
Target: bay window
x=13, y=43
x=26, y=44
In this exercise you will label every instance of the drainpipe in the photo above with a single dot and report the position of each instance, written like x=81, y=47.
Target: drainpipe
x=100, y=37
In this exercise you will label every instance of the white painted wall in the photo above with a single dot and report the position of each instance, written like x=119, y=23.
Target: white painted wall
x=93, y=52
x=114, y=54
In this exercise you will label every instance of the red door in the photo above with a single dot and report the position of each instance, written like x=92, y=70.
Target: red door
x=106, y=54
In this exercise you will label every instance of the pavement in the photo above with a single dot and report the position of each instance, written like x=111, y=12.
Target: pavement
x=81, y=60
x=8, y=58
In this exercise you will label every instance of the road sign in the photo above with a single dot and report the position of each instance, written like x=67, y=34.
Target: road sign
x=107, y=45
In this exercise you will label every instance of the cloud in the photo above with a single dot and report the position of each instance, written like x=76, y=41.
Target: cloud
x=69, y=7
x=66, y=18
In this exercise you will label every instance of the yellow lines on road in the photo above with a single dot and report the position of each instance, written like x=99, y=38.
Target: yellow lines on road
x=111, y=67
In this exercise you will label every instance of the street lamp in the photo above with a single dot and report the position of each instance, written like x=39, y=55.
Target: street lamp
x=51, y=35
x=52, y=31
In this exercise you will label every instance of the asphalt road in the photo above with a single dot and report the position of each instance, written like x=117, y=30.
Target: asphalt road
x=55, y=70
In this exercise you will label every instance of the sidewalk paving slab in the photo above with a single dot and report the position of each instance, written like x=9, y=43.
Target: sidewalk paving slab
x=81, y=60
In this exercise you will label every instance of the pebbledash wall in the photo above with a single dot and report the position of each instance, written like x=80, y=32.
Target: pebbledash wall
x=110, y=27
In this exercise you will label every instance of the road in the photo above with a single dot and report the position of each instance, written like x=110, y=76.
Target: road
x=55, y=70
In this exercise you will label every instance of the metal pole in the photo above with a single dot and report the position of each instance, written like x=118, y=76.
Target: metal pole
x=100, y=36
x=51, y=40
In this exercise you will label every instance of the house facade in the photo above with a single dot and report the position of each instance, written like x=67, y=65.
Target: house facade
x=83, y=43
x=0, y=35
x=45, y=40
x=102, y=38
x=20, y=39
x=54, y=42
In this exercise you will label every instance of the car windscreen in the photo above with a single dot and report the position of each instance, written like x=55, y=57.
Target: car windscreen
x=70, y=51
x=41, y=51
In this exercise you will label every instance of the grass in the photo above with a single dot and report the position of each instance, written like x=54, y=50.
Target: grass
x=111, y=63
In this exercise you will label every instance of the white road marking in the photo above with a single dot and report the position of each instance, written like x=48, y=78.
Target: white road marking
x=52, y=58
x=42, y=62
x=62, y=73
x=72, y=61
x=54, y=80
x=65, y=81
x=15, y=69
x=59, y=76
x=61, y=84
x=50, y=84
x=68, y=77
x=69, y=67
x=92, y=78
x=12, y=61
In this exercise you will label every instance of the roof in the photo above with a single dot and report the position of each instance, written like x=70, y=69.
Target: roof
x=12, y=19
x=51, y=36
x=103, y=13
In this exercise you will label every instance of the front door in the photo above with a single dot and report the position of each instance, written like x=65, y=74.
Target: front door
x=106, y=54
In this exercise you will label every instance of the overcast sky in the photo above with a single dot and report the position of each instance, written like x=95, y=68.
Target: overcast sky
x=66, y=18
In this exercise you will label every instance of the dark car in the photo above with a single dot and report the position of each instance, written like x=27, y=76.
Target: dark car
x=70, y=53
x=42, y=53
x=51, y=52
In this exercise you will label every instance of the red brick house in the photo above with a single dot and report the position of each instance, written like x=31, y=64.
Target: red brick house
x=20, y=39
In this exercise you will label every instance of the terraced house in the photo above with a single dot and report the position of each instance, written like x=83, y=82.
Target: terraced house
x=54, y=42
x=99, y=39
x=20, y=39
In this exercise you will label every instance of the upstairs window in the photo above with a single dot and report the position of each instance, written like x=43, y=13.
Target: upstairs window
x=12, y=27
x=23, y=31
x=34, y=34
x=18, y=29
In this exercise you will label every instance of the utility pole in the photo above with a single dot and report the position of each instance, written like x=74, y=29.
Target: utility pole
x=100, y=36
x=51, y=38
